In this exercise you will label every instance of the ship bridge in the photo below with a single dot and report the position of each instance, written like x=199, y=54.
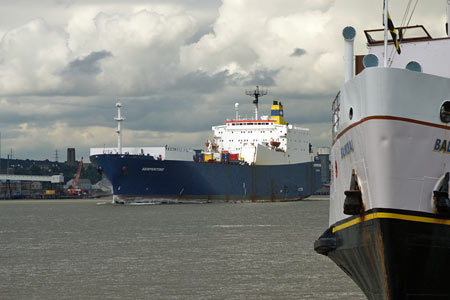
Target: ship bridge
x=249, y=122
x=419, y=51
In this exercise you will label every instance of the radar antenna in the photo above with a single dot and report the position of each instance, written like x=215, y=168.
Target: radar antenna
x=256, y=94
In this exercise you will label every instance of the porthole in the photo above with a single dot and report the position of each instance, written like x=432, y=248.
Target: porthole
x=414, y=66
x=350, y=114
x=445, y=112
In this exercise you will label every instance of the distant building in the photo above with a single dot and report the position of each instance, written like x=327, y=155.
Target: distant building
x=10, y=188
x=71, y=156
x=36, y=185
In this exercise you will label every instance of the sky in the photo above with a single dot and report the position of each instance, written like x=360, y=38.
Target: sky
x=177, y=66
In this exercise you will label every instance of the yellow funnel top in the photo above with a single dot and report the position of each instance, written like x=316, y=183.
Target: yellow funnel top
x=277, y=113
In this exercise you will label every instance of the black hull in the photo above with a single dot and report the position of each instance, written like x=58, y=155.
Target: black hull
x=393, y=254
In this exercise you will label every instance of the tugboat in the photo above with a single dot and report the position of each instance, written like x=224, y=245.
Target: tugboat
x=389, y=222
x=249, y=159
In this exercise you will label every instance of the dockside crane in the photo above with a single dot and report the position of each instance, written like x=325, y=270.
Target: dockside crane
x=74, y=190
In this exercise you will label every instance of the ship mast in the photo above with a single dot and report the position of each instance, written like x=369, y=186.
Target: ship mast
x=256, y=94
x=448, y=18
x=385, y=22
x=119, y=120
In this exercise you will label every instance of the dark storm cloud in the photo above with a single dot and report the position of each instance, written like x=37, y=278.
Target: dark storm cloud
x=72, y=110
x=262, y=77
x=184, y=112
x=199, y=34
x=89, y=64
x=202, y=82
x=298, y=52
x=318, y=113
x=80, y=74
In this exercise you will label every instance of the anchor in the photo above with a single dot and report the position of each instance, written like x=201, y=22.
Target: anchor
x=441, y=200
x=353, y=200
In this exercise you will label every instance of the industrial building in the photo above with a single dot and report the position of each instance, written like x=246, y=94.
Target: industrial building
x=71, y=156
x=30, y=186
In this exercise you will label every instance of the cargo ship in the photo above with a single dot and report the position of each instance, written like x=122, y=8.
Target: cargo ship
x=248, y=159
x=389, y=220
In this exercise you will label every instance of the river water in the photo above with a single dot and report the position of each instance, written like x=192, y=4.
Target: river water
x=91, y=249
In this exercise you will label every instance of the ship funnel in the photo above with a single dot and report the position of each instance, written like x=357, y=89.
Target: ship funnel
x=349, y=34
x=276, y=113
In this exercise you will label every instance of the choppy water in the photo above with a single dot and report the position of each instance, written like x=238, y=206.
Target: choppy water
x=81, y=250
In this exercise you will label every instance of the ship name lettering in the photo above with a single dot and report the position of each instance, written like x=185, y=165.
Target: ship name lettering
x=442, y=146
x=347, y=149
x=152, y=169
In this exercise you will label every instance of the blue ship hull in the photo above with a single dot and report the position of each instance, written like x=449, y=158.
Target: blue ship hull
x=139, y=177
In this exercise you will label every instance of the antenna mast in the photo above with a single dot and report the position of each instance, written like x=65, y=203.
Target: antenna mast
x=448, y=18
x=119, y=120
x=385, y=22
x=256, y=94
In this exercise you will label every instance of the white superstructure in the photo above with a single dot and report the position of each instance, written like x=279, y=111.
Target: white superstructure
x=264, y=141
x=431, y=54
x=159, y=153
x=246, y=137
x=267, y=140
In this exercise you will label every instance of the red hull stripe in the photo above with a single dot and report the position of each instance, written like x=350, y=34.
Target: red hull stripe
x=389, y=118
x=252, y=121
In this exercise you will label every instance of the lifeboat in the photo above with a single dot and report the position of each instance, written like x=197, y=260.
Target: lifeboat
x=274, y=144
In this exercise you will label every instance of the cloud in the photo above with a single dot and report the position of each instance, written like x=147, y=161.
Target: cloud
x=80, y=77
x=32, y=56
x=89, y=64
x=123, y=54
x=178, y=66
x=177, y=73
x=262, y=77
x=145, y=46
x=199, y=34
x=251, y=36
x=298, y=52
x=202, y=82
